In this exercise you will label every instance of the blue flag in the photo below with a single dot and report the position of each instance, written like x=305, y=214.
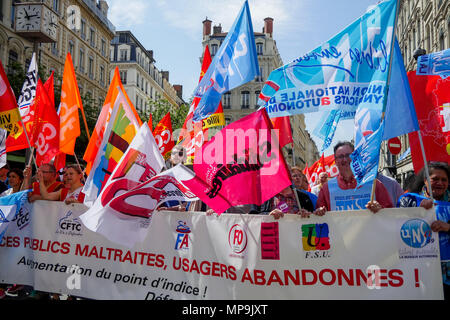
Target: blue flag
x=400, y=115
x=369, y=127
x=436, y=63
x=9, y=207
x=234, y=64
x=349, y=69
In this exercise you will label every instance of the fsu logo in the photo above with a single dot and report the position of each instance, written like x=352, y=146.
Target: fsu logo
x=183, y=236
x=237, y=239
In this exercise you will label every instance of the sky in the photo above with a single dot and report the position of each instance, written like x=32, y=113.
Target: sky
x=173, y=30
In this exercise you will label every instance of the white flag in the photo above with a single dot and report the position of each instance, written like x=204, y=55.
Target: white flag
x=140, y=163
x=28, y=90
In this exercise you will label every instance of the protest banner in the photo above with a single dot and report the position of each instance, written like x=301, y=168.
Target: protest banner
x=350, y=255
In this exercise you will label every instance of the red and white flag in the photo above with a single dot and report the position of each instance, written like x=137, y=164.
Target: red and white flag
x=118, y=219
x=45, y=132
x=242, y=164
x=164, y=135
x=431, y=95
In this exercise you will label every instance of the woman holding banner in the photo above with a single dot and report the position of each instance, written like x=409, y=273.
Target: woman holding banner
x=427, y=193
x=72, y=194
x=15, y=180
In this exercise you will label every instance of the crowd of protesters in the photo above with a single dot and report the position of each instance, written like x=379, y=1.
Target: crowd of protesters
x=325, y=196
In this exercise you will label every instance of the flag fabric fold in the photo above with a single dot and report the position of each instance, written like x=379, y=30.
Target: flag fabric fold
x=97, y=135
x=70, y=103
x=234, y=64
x=244, y=153
x=122, y=212
x=9, y=111
x=341, y=74
x=163, y=134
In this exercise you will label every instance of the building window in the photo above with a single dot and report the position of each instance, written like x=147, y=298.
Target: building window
x=137, y=79
x=257, y=93
x=13, y=57
x=123, y=54
x=91, y=67
x=214, y=48
x=92, y=37
x=56, y=6
x=259, y=78
x=102, y=76
x=103, y=47
x=123, y=76
x=441, y=41
x=228, y=120
x=71, y=47
x=81, y=60
x=54, y=48
x=83, y=30
x=245, y=99
x=259, y=49
x=227, y=100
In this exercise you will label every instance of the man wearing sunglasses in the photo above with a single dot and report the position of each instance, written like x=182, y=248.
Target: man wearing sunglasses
x=340, y=193
x=50, y=182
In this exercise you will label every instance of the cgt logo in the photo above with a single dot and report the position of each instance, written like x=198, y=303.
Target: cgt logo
x=237, y=239
x=316, y=240
x=183, y=231
x=416, y=233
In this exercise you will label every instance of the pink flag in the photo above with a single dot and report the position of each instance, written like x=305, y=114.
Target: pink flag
x=242, y=164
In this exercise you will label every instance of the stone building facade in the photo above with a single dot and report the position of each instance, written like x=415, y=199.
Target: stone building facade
x=140, y=77
x=87, y=40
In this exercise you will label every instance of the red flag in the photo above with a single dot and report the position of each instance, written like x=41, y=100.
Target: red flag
x=45, y=133
x=9, y=112
x=164, y=136
x=431, y=95
x=150, y=122
x=283, y=125
x=242, y=164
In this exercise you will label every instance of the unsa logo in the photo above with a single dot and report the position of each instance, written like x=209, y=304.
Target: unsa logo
x=416, y=233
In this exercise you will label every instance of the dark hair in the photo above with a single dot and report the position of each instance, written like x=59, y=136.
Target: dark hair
x=75, y=167
x=50, y=166
x=421, y=177
x=343, y=143
x=16, y=171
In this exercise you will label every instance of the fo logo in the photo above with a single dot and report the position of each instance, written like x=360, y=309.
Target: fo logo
x=416, y=233
x=183, y=236
x=237, y=239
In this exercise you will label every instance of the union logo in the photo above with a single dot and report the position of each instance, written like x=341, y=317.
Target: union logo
x=315, y=237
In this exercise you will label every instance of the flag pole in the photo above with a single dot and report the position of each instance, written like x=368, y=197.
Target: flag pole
x=372, y=194
x=29, y=143
x=85, y=123
x=427, y=172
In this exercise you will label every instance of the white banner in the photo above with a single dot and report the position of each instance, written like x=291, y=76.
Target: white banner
x=343, y=255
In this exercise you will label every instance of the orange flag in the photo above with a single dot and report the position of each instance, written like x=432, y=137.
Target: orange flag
x=150, y=122
x=97, y=134
x=9, y=112
x=163, y=135
x=68, y=114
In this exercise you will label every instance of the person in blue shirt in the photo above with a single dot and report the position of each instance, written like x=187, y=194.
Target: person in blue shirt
x=301, y=183
x=437, y=194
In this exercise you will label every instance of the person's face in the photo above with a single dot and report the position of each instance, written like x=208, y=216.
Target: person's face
x=342, y=158
x=439, y=183
x=323, y=177
x=71, y=176
x=14, y=180
x=3, y=173
x=177, y=156
x=297, y=178
x=48, y=175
